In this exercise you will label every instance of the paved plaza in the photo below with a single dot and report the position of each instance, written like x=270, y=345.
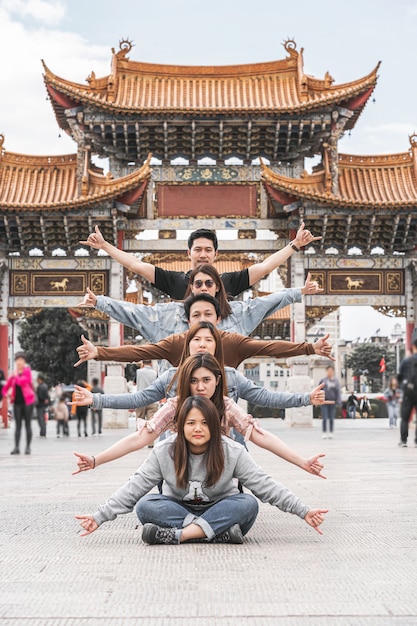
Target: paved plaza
x=362, y=571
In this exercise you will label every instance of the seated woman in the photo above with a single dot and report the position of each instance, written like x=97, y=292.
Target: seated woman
x=200, y=499
x=200, y=375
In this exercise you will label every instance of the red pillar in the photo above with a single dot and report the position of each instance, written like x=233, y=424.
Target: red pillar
x=4, y=354
x=409, y=327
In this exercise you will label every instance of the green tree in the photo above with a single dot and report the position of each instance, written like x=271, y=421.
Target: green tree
x=49, y=339
x=367, y=356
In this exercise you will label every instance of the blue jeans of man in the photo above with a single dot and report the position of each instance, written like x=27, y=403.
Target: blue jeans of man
x=352, y=411
x=328, y=413
x=409, y=403
x=214, y=519
x=40, y=414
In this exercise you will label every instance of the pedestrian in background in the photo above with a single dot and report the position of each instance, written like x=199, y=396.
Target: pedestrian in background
x=407, y=377
x=61, y=416
x=80, y=412
x=145, y=376
x=96, y=414
x=332, y=393
x=364, y=407
x=19, y=388
x=42, y=403
x=352, y=403
x=392, y=396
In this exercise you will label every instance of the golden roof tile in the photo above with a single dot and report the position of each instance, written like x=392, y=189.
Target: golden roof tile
x=388, y=180
x=50, y=182
x=272, y=86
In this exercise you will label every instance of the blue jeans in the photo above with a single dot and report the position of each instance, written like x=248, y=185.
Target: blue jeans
x=328, y=412
x=241, y=509
x=352, y=411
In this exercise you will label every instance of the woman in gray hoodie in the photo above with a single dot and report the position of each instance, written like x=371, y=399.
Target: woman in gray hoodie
x=200, y=499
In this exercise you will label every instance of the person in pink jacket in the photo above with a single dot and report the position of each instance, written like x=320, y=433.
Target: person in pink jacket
x=19, y=388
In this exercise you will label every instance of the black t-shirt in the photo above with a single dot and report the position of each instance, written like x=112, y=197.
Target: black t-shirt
x=175, y=283
x=18, y=395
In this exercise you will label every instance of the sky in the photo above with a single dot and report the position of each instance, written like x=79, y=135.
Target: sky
x=348, y=39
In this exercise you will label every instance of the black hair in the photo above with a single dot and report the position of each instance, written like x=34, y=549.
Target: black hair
x=95, y=381
x=203, y=233
x=204, y=297
x=20, y=355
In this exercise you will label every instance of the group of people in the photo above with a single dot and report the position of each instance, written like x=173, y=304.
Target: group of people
x=199, y=339
x=29, y=400
x=355, y=404
x=203, y=338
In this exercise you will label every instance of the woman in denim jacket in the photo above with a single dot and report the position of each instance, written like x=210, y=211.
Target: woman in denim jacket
x=158, y=321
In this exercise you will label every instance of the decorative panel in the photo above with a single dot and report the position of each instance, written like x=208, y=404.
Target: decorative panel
x=202, y=201
x=43, y=283
x=390, y=282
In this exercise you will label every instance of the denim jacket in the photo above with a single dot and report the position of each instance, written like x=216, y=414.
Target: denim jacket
x=238, y=387
x=160, y=320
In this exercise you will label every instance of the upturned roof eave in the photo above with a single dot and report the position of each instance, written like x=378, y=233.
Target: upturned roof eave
x=86, y=96
x=111, y=189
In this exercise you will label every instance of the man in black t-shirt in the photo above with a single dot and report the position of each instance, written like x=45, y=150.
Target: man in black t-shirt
x=202, y=248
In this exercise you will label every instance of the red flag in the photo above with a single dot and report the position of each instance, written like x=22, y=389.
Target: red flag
x=382, y=366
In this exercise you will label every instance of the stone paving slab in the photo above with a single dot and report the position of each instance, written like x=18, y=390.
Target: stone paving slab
x=360, y=572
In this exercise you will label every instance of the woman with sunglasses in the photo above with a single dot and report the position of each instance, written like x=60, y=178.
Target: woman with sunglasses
x=163, y=319
x=200, y=499
x=201, y=375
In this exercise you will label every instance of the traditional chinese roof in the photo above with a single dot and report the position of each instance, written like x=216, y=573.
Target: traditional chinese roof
x=388, y=180
x=50, y=182
x=281, y=102
x=375, y=203
x=43, y=205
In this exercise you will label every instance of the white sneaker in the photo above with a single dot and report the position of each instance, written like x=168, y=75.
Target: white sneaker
x=324, y=436
x=330, y=436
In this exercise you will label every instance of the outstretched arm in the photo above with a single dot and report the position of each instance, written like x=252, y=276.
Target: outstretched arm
x=169, y=348
x=161, y=421
x=246, y=425
x=131, y=443
x=96, y=240
x=260, y=270
x=270, y=442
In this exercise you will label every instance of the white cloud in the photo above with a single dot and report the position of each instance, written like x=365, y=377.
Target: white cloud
x=26, y=117
x=50, y=13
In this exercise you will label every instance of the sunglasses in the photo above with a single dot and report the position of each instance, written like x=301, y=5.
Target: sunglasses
x=199, y=283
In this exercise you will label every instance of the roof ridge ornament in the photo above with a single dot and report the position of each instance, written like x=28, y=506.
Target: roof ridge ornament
x=413, y=144
x=125, y=46
x=290, y=46
x=413, y=140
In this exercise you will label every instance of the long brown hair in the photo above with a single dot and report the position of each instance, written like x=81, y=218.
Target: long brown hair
x=221, y=295
x=214, y=453
x=185, y=373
